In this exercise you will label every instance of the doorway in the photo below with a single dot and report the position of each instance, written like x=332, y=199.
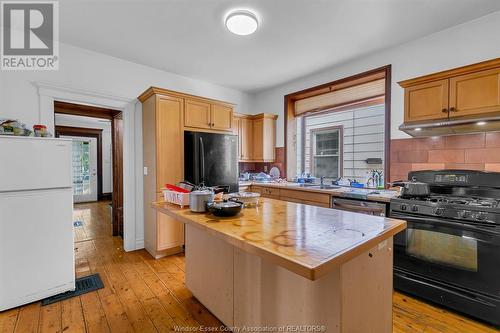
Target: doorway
x=97, y=135
x=84, y=163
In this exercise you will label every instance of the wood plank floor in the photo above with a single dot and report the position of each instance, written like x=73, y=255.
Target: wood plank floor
x=146, y=295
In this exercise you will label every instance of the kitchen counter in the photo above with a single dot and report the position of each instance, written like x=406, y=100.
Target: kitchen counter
x=283, y=263
x=347, y=192
x=305, y=239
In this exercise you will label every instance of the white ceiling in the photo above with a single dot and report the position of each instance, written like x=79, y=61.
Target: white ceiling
x=295, y=37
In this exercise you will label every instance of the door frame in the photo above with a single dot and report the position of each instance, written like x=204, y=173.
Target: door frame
x=89, y=133
x=133, y=209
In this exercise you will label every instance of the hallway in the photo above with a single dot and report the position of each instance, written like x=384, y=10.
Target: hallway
x=146, y=295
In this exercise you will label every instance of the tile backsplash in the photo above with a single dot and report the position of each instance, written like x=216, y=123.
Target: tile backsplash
x=478, y=151
x=279, y=162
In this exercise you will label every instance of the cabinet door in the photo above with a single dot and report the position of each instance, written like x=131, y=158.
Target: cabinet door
x=170, y=233
x=169, y=144
x=246, y=135
x=221, y=117
x=197, y=114
x=258, y=139
x=427, y=101
x=475, y=93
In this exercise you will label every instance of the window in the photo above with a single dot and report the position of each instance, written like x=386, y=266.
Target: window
x=326, y=152
x=340, y=128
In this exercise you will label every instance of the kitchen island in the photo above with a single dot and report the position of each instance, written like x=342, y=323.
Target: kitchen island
x=282, y=264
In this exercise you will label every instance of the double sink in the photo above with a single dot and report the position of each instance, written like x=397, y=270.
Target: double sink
x=321, y=187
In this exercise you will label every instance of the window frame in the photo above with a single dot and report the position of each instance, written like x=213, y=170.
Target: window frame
x=340, y=155
x=290, y=149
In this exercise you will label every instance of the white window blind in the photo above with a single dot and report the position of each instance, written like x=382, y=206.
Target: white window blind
x=346, y=96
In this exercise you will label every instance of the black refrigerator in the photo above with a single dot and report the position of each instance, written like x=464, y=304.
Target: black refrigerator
x=211, y=159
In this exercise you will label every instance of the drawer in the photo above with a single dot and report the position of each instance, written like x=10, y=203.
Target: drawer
x=270, y=192
x=322, y=198
x=305, y=202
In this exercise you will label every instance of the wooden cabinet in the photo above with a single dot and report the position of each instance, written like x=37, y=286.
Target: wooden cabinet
x=207, y=115
x=264, y=138
x=246, y=139
x=221, y=117
x=297, y=196
x=475, y=93
x=461, y=92
x=197, y=114
x=162, y=118
x=256, y=137
x=426, y=101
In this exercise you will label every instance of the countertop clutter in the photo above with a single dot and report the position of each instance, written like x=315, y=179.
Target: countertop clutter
x=306, y=240
x=347, y=192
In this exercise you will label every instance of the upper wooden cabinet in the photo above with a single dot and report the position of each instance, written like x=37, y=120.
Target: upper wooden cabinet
x=256, y=137
x=246, y=139
x=197, y=114
x=475, y=93
x=221, y=117
x=206, y=115
x=426, y=101
x=461, y=92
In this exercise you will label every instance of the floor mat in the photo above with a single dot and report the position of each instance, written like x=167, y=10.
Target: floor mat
x=84, y=285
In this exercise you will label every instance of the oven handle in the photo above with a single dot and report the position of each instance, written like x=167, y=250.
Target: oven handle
x=360, y=208
x=493, y=231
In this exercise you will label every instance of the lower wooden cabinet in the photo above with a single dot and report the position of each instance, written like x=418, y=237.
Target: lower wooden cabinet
x=297, y=196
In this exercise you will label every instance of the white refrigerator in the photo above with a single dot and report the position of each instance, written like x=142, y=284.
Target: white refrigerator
x=36, y=219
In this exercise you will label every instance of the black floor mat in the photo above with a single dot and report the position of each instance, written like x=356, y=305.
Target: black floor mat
x=84, y=285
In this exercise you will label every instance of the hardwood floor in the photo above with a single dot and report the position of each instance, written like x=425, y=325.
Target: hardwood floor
x=146, y=295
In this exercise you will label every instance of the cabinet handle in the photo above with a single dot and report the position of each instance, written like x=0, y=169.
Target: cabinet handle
x=444, y=110
x=453, y=109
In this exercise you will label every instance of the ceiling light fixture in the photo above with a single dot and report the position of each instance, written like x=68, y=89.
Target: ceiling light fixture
x=418, y=129
x=481, y=123
x=242, y=22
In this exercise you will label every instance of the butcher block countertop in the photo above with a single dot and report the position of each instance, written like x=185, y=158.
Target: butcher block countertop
x=307, y=240
x=370, y=194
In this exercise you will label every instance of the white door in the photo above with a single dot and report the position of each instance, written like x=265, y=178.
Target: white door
x=84, y=154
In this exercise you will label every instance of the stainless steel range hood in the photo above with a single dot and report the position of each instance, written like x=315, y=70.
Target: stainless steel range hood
x=464, y=125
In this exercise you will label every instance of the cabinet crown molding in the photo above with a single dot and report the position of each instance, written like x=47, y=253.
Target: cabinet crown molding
x=480, y=66
x=161, y=91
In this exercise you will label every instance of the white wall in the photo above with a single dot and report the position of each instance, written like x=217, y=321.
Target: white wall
x=87, y=70
x=461, y=45
x=85, y=74
x=105, y=126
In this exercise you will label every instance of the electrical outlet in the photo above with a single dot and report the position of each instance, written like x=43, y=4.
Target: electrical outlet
x=145, y=171
x=265, y=168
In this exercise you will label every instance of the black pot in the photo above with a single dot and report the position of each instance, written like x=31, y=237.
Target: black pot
x=225, y=208
x=413, y=189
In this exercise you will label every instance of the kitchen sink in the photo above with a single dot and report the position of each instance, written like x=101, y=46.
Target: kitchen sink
x=321, y=187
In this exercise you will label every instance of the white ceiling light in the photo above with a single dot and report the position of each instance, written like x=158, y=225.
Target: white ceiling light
x=242, y=22
x=481, y=123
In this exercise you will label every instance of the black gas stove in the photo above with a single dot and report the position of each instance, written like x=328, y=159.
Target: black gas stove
x=450, y=252
x=466, y=209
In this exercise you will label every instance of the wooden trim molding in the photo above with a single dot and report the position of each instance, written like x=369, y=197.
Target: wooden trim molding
x=289, y=112
x=489, y=64
x=160, y=91
x=84, y=110
x=90, y=133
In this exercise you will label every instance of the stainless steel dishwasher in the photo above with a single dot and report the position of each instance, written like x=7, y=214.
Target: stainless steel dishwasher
x=360, y=206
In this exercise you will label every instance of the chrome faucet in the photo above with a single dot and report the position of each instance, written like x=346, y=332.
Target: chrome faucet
x=322, y=181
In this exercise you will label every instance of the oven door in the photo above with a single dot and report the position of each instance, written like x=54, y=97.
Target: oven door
x=459, y=254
